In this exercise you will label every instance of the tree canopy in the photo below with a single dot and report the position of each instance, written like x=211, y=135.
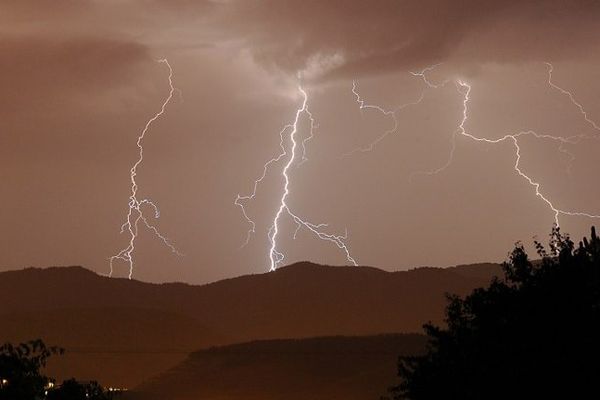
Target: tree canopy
x=533, y=334
x=73, y=390
x=21, y=377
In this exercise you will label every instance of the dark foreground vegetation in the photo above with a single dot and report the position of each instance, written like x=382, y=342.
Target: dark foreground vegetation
x=21, y=377
x=535, y=334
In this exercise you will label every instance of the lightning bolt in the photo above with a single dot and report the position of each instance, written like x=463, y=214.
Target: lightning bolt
x=392, y=113
x=308, y=138
x=135, y=213
x=387, y=113
x=241, y=200
x=276, y=257
x=423, y=75
x=465, y=89
x=571, y=97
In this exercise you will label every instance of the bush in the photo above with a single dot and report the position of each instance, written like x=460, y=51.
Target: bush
x=533, y=334
x=73, y=390
x=20, y=377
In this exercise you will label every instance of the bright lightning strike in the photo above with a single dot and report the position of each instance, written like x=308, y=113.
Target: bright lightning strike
x=276, y=257
x=571, y=97
x=241, y=200
x=135, y=214
x=465, y=89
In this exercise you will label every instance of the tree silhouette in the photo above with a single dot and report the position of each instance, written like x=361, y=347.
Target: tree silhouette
x=535, y=334
x=20, y=376
x=73, y=390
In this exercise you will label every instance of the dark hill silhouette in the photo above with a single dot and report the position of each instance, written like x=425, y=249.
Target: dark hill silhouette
x=301, y=300
x=121, y=346
x=318, y=368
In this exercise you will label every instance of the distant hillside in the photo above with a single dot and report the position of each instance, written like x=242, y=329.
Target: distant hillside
x=121, y=346
x=97, y=317
x=352, y=368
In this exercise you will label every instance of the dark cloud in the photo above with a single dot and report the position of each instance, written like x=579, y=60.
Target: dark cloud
x=387, y=35
x=338, y=38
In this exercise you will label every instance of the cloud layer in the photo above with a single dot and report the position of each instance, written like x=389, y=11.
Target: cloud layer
x=387, y=35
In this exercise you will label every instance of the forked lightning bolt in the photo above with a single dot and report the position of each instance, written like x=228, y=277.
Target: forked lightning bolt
x=423, y=75
x=571, y=97
x=387, y=113
x=276, y=257
x=465, y=90
x=392, y=113
x=135, y=213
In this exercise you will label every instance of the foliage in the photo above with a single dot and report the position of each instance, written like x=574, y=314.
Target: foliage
x=534, y=334
x=73, y=390
x=20, y=377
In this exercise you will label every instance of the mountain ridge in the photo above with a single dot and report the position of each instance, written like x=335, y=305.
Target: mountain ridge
x=312, y=368
x=93, y=316
x=32, y=270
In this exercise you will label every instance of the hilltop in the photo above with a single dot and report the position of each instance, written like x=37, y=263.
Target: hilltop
x=123, y=331
x=292, y=369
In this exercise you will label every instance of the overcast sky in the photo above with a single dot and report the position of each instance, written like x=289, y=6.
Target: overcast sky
x=80, y=79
